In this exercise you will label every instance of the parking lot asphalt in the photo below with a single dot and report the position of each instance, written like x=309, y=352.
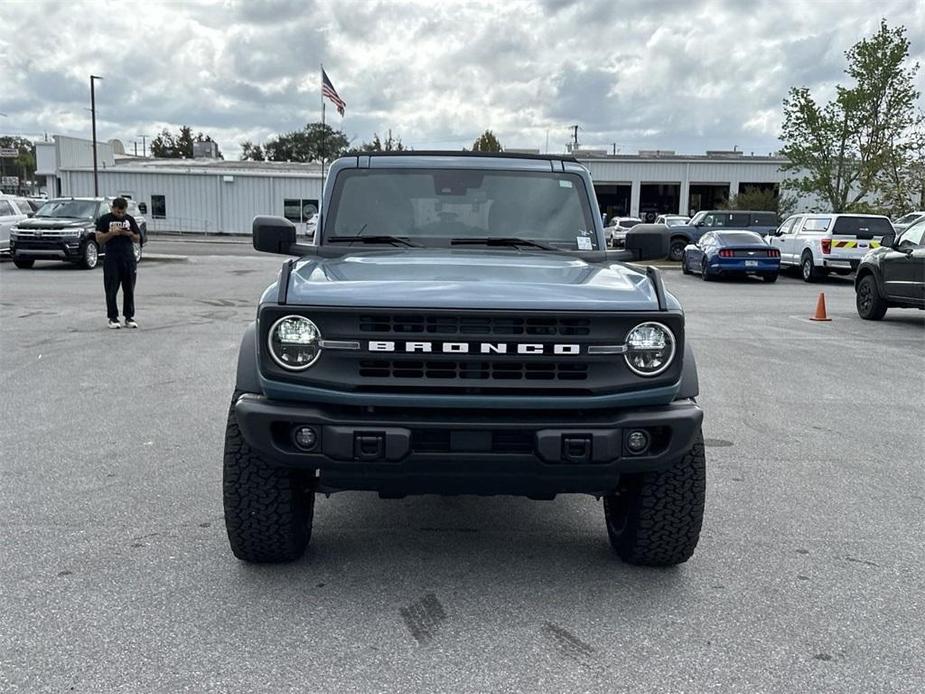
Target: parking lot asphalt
x=116, y=573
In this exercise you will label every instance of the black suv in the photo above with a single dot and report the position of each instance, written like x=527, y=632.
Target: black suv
x=893, y=275
x=65, y=229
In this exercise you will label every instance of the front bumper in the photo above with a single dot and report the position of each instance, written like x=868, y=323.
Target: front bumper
x=63, y=248
x=404, y=451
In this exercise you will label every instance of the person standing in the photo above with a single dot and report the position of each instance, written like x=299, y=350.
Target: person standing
x=116, y=233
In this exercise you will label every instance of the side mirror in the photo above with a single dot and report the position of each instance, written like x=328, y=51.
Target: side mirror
x=277, y=235
x=648, y=241
x=143, y=207
x=888, y=240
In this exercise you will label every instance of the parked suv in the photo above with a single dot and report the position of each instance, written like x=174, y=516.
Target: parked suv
x=458, y=327
x=12, y=211
x=615, y=231
x=823, y=243
x=712, y=220
x=893, y=274
x=65, y=229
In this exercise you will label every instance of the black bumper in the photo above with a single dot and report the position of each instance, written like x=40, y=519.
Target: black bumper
x=69, y=249
x=399, y=452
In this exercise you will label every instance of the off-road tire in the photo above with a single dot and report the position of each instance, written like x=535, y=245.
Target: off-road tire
x=268, y=509
x=870, y=305
x=684, y=268
x=23, y=264
x=655, y=517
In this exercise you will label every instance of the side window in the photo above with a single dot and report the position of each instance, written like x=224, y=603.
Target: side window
x=299, y=210
x=159, y=206
x=788, y=226
x=104, y=209
x=708, y=220
x=816, y=225
x=913, y=236
x=6, y=210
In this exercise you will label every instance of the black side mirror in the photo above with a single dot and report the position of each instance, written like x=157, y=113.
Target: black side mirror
x=648, y=241
x=888, y=240
x=143, y=207
x=277, y=235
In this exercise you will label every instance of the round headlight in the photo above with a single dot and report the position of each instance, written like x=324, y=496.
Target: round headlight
x=295, y=343
x=650, y=347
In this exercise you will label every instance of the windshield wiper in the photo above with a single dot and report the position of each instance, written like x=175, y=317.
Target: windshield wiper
x=394, y=240
x=501, y=241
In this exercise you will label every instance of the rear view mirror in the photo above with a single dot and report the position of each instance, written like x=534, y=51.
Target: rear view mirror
x=277, y=235
x=888, y=240
x=648, y=241
x=273, y=234
x=143, y=207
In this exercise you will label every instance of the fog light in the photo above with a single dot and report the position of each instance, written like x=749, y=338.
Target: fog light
x=305, y=438
x=637, y=441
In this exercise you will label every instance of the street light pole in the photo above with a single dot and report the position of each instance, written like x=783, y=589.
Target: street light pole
x=96, y=176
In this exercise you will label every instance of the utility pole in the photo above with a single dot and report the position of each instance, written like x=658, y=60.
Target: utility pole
x=574, y=129
x=144, y=142
x=614, y=148
x=96, y=176
x=136, y=147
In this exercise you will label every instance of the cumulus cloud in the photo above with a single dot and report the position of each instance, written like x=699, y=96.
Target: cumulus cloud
x=631, y=73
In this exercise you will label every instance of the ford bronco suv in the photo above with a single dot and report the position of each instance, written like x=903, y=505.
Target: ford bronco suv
x=458, y=326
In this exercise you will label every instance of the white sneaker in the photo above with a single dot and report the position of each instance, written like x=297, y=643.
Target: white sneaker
x=130, y=323
x=114, y=325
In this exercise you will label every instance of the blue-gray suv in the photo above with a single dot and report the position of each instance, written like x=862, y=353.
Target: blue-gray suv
x=458, y=326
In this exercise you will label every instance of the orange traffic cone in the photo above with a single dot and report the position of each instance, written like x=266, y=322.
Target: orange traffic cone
x=820, y=309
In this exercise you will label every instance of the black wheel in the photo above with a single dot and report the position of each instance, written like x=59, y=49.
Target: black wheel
x=808, y=269
x=770, y=278
x=268, y=509
x=676, y=249
x=90, y=256
x=684, y=268
x=23, y=264
x=871, y=306
x=655, y=518
x=704, y=271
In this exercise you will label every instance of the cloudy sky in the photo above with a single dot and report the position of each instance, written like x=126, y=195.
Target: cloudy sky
x=686, y=75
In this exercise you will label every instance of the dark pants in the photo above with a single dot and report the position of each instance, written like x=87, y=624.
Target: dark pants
x=119, y=272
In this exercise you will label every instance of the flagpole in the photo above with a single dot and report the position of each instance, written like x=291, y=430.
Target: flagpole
x=321, y=200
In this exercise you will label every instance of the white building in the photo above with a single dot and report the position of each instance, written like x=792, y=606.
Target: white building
x=210, y=195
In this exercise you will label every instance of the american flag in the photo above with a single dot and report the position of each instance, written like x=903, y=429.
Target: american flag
x=327, y=90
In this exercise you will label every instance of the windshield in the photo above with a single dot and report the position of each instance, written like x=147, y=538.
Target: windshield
x=434, y=205
x=76, y=209
x=740, y=237
x=909, y=218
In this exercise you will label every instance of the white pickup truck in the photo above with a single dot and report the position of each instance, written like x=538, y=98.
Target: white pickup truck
x=820, y=243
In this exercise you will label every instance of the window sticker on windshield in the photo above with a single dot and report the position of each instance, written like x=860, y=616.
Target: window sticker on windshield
x=565, y=184
x=584, y=243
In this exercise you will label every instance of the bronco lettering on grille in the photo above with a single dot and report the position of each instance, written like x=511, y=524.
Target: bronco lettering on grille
x=411, y=347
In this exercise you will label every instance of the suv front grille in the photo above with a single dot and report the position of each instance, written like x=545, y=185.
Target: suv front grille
x=473, y=370
x=473, y=325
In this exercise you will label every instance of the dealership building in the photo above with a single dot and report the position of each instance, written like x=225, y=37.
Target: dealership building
x=214, y=195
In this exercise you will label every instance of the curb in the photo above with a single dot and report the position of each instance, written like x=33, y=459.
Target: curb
x=163, y=258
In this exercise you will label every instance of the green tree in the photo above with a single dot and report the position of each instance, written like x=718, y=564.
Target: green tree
x=23, y=165
x=839, y=150
x=311, y=143
x=486, y=142
x=902, y=181
x=252, y=152
x=764, y=199
x=390, y=144
x=166, y=145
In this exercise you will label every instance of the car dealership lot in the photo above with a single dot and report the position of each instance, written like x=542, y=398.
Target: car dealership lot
x=117, y=573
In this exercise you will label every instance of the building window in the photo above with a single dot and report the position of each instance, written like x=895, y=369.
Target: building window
x=159, y=206
x=299, y=210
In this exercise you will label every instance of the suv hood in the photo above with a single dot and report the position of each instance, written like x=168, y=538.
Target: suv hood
x=54, y=223
x=470, y=279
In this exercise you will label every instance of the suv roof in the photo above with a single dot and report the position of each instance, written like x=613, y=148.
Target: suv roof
x=452, y=153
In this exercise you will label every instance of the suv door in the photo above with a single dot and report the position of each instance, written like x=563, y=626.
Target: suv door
x=904, y=269
x=9, y=216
